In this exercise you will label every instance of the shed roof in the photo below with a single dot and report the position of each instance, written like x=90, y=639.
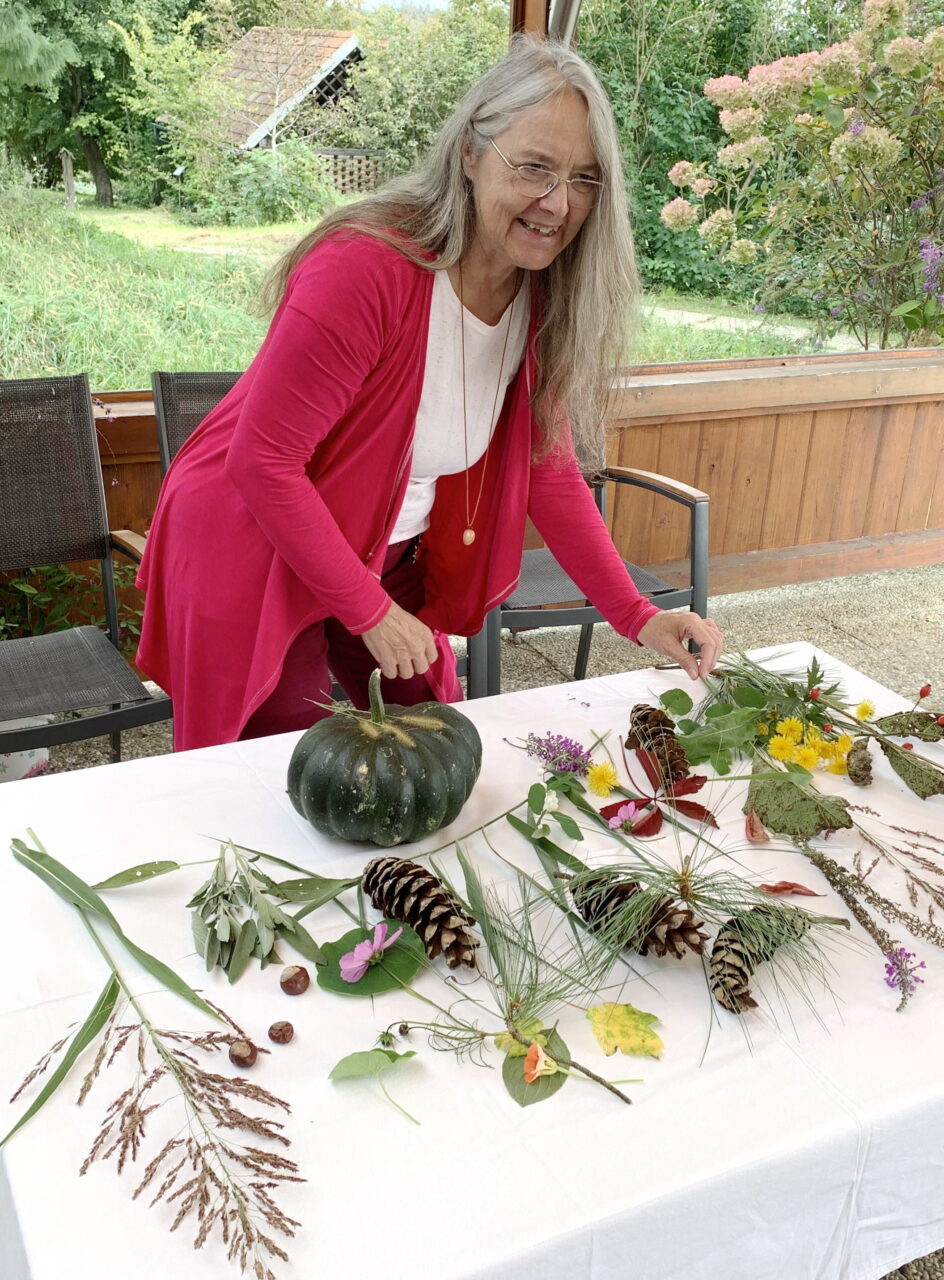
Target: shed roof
x=272, y=69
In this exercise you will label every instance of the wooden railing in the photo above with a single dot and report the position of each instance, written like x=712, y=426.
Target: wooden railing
x=816, y=466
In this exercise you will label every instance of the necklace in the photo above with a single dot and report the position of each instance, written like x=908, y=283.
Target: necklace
x=468, y=536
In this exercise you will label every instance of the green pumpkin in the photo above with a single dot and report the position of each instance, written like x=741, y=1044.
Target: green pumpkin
x=387, y=775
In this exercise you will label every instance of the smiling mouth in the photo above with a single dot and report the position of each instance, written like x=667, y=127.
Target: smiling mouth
x=546, y=232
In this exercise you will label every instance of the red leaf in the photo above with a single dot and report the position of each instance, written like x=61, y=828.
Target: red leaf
x=692, y=810
x=790, y=886
x=611, y=810
x=754, y=829
x=687, y=786
x=648, y=824
x=651, y=766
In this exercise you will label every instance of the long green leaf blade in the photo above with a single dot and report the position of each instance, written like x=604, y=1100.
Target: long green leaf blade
x=134, y=875
x=63, y=881
x=166, y=976
x=89, y=1029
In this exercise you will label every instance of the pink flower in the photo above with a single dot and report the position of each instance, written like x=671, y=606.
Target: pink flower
x=624, y=814
x=678, y=214
x=681, y=173
x=355, y=964
x=728, y=91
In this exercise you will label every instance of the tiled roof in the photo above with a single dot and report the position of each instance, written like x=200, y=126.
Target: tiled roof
x=272, y=69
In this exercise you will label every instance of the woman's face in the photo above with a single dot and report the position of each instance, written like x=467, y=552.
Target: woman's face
x=515, y=229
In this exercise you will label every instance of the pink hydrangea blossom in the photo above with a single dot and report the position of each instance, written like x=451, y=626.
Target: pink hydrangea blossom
x=934, y=44
x=728, y=91
x=741, y=124
x=718, y=228
x=839, y=65
x=702, y=186
x=681, y=173
x=678, y=214
x=905, y=55
x=778, y=86
x=883, y=13
x=741, y=155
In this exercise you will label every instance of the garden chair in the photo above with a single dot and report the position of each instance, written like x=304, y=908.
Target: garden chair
x=543, y=582
x=181, y=402
x=53, y=501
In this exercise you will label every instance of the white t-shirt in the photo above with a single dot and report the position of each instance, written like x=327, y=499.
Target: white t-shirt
x=439, y=447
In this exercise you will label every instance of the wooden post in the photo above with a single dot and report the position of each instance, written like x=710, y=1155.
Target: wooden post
x=68, y=177
x=529, y=15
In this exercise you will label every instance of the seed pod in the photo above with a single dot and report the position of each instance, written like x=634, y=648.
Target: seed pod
x=281, y=1032
x=294, y=980
x=242, y=1053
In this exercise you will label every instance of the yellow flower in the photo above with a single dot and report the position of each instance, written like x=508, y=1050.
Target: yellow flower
x=763, y=728
x=837, y=766
x=808, y=757
x=844, y=744
x=791, y=728
x=865, y=710
x=602, y=778
x=828, y=750
x=780, y=748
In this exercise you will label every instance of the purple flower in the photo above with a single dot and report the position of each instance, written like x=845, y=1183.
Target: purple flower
x=759, y=308
x=624, y=815
x=856, y=126
x=557, y=753
x=835, y=312
x=355, y=964
x=901, y=975
x=933, y=258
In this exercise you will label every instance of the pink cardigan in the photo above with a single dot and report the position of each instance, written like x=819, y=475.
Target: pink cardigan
x=277, y=511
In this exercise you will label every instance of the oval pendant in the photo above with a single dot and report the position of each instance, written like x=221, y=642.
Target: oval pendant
x=468, y=537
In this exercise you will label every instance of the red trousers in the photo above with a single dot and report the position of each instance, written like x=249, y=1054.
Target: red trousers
x=327, y=649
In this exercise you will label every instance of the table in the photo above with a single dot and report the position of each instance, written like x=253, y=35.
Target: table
x=812, y=1148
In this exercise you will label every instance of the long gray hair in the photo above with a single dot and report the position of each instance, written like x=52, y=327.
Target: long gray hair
x=586, y=293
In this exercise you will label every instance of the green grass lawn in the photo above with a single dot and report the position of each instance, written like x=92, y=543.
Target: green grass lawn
x=118, y=293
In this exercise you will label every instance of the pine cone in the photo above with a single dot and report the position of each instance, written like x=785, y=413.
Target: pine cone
x=859, y=763
x=670, y=929
x=411, y=894
x=651, y=729
x=741, y=945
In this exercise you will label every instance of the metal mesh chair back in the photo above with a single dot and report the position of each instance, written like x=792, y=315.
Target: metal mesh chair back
x=181, y=402
x=52, y=497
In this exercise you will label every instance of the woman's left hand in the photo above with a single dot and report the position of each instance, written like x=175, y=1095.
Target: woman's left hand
x=668, y=632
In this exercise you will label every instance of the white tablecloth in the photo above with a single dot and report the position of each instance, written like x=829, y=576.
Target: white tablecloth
x=788, y=1147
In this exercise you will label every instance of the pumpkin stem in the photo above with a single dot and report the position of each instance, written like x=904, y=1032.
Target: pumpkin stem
x=376, y=701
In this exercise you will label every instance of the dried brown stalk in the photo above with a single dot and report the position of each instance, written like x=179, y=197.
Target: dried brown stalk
x=212, y=1175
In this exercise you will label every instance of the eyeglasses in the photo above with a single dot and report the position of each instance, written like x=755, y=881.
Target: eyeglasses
x=537, y=181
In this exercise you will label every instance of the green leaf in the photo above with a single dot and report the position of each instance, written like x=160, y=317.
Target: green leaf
x=367, y=1062
x=302, y=941
x=790, y=807
x=834, y=115
x=134, y=875
x=89, y=1029
x=718, y=709
x=314, y=891
x=918, y=774
x=392, y=972
x=560, y=856
x=75, y=890
x=906, y=308
x=242, y=951
x=624, y=1027
x=745, y=695
x=677, y=702
x=536, y=798
x=567, y=825
x=201, y=933
x=912, y=724
x=687, y=726
x=545, y=1086
x=532, y=1029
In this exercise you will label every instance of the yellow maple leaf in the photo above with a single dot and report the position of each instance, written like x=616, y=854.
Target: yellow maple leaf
x=532, y=1029
x=623, y=1027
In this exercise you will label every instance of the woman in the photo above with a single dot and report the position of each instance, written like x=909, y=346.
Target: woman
x=436, y=351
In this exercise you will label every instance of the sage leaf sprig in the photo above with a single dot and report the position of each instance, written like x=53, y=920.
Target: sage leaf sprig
x=235, y=917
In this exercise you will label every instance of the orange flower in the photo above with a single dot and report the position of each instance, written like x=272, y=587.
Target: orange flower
x=537, y=1063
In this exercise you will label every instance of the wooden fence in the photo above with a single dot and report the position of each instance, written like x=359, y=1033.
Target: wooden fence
x=816, y=466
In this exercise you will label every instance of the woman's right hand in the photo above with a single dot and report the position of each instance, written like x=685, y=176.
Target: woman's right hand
x=402, y=645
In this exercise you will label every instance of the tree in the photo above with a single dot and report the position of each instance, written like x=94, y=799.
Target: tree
x=414, y=72
x=832, y=181
x=62, y=70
